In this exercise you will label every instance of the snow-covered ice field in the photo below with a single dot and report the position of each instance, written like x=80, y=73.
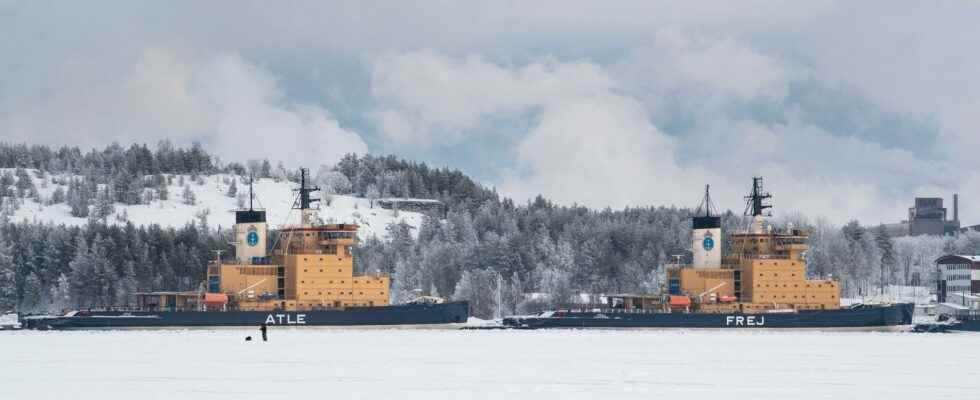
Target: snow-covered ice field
x=446, y=364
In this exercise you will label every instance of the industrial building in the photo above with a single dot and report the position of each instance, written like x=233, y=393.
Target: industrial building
x=928, y=216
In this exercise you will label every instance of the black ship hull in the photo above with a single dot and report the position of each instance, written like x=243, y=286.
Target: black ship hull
x=859, y=317
x=409, y=314
x=965, y=325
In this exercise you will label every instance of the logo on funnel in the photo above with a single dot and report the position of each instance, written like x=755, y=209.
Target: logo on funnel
x=708, y=243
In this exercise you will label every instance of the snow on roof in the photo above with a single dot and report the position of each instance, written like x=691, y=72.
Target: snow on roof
x=408, y=199
x=971, y=258
x=964, y=295
x=955, y=306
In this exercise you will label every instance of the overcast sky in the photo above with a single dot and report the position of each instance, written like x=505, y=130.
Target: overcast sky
x=849, y=109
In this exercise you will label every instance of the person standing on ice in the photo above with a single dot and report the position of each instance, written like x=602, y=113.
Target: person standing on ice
x=264, y=329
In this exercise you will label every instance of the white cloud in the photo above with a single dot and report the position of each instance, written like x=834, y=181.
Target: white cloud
x=683, y=63
x=592, y=136
x=427, y=98
x=598, y=151
x=233, y=107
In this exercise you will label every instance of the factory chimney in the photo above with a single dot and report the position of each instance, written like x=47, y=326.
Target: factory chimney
x=956, y=207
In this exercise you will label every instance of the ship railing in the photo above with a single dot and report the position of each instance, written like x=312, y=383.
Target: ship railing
x=112, y=308
x=626, y=310
x=968, y=314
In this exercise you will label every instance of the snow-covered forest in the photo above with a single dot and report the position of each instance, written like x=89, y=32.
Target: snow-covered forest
x=504, y=257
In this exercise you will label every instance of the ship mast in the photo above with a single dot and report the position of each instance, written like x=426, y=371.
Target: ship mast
x=706, y=208
x=251, y=194
x=756, y=205
x=305, y=199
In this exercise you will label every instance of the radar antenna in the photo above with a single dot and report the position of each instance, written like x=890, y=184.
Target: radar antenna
x=304, y=191
x=755, y=204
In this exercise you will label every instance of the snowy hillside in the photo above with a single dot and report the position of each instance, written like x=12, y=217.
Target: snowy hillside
x=211, y=198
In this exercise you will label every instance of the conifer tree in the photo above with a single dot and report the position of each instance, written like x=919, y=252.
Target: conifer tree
x=188, y=196
x=162, y=192
x=232, y=188
x=82, y=273
x=8, y=278
x=104, y=206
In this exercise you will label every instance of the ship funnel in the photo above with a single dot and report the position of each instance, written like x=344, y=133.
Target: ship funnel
x=706, y=234
x=250, y=231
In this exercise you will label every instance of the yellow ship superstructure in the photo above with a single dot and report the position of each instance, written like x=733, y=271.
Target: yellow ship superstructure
x=764, y=271
x=307, y=266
